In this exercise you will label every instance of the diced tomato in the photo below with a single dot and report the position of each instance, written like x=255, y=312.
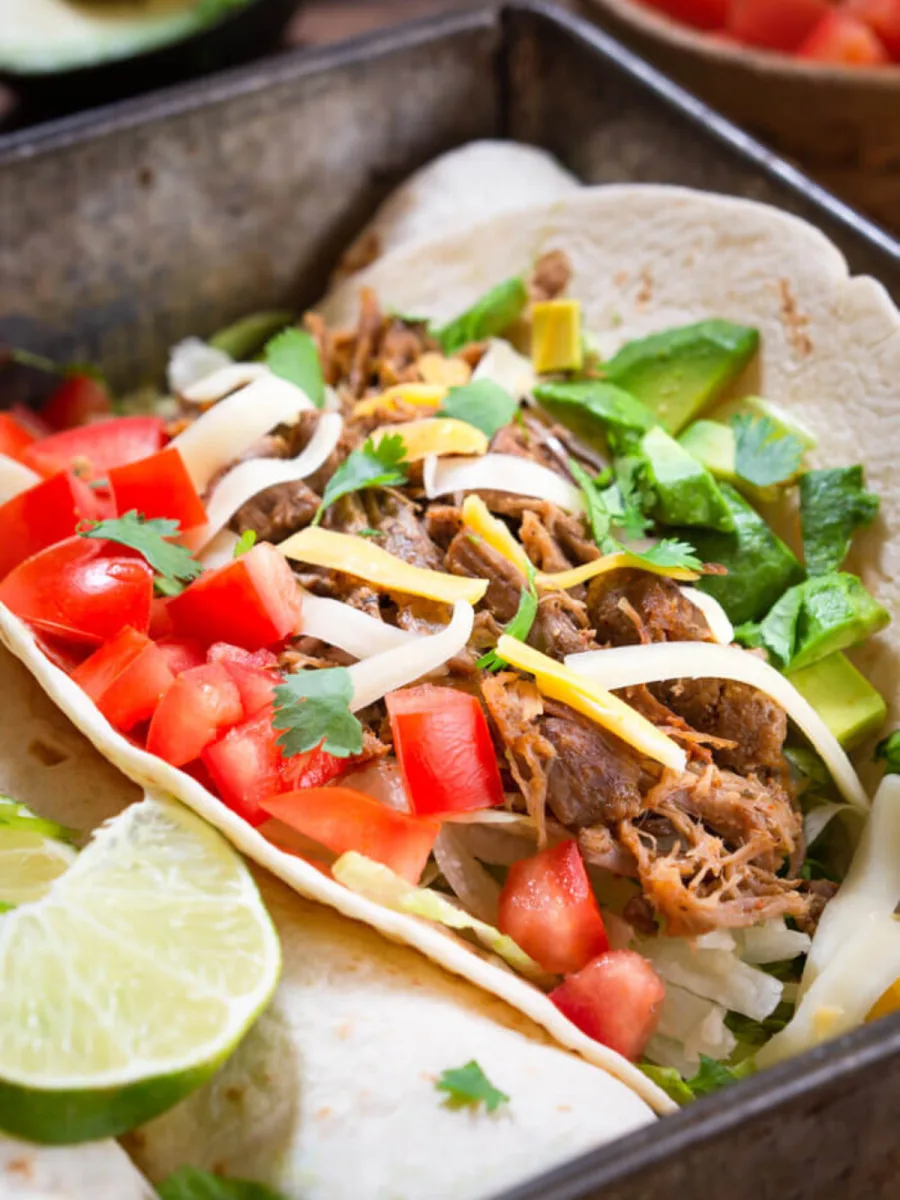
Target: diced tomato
x=548, y=907
x=30, y=420
x=882, y=16
x=252, y=601
x=775, y=24
x=343, y=819
x=76, y=401
x=42, y=515
x=92, y=450
x=840, y=38
x=161, y=625
x=445, y=750
x=255, y=684
x=126, y=678
x=14, y=437
x=180, y=653
x=245, y=766
x=615, y=999
x=702, y=14
x=315, y=768
x=223, y=652
x=158, y=486
x=197, y=708
x=82, y=590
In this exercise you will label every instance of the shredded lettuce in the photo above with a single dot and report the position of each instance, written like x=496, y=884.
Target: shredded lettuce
x=711, y=1077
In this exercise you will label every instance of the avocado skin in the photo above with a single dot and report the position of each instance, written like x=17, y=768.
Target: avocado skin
x=761, y=567
x=843, y=698
x=837, y=612
x=601, y=414
x=686, y=493
x=678, y=372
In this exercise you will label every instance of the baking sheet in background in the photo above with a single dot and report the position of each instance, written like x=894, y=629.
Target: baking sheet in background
x=125, y=229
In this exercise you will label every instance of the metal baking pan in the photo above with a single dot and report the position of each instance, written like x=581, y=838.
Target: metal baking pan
x=124, y=229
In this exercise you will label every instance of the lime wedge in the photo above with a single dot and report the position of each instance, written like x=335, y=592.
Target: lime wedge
x=132, y=979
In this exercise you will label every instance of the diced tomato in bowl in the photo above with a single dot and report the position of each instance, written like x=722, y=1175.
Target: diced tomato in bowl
x=200, y=705
x=841, y=39
x=126, y=678
x=14, y=436
x=702, y=14
x=245, y=765
x=77, y=400
x=92, y=450
x=775, y=24
x=47, y=513
x=82, y=590
x=181, y=654
x=882, y=17
x=615, y=999
x=158, y=486
x=548, y=907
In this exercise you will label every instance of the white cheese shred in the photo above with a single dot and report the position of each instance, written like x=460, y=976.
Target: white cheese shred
x=500, y=473
x=349, y=628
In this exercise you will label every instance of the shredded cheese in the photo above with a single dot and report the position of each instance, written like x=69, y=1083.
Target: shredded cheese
x=435, y=435
x=477, y=517
x=609, y=562
x=419, y=395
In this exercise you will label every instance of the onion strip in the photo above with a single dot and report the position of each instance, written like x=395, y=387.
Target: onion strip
x=500, y=473
x=349, y=628
x=715, y=615
x=221, y=383
x=629, y=666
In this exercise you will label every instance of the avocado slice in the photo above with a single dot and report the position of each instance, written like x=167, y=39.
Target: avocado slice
x=42, y=37
x=680, y=371
x=713, y=444
x=843, y=698
x=601, y=414
x=784, y=421
x=760, y=566
x=836, y=612
x=686, y=493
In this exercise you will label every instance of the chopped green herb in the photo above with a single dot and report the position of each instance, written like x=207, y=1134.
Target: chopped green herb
x=243, y=338
x=888, y=752
x=764, y=453
x=172, y=563
x=481, y=403
x=833, y=505
x=756, y=1033
x=370, y=533
x=293, y=355
x=468, y=1086
x=313, y=709
x=715, y=1075
x=494, y=312
x=245, y=542
x=636, y=495
x=190, y=1183
x=604, y=478
x=519, y=627
x=381, y=465
x=670, y=552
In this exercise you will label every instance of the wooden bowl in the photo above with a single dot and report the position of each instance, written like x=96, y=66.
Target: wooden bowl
x=842, y=124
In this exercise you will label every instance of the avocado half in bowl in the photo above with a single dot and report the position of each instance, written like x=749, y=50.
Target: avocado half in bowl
x=69, y=54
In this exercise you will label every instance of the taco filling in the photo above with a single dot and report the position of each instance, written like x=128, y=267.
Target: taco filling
x=545, y=648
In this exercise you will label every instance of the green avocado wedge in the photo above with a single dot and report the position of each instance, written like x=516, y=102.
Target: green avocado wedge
x=601, y=414
x=686, y=492
x=843, y=698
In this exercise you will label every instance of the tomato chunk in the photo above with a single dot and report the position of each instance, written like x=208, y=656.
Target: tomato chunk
x=223, y=652
x=245, y=766
x=200, y=704
x=158, y=486
x=775, y=24
x=615, y=999
x=317, y=767
x=840, y=38
x=548, y=907
x=180, y=653
x=14, y=437
x=93, y=449
x=445, y=750
x=343, y=819
x=702, y=14
x=81, y=590
x=251, y=602
x=882, y=17
x=125, y=678
x=77, y=400
x=42, y=515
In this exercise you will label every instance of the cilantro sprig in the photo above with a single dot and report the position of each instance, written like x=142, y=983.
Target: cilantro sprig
x=468, y=1087
x=711, y=1077
x=312, y=708
x=764, y=453
x=294, y=356
x=381, y=465
x=174, y=564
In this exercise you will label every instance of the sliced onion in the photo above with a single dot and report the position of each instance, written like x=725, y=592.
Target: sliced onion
x=506, y=367
x=15, y=477
x=228, y=378
x=380, y=779
x=716, y=617
x=392, y=669
x=349, y=628
x=500, y=845
x=191, y=360
x=771, y=942
x=695, y=1024
x=248, y=478
x=221, y=434
x=628, y=666
x=220, y=550
x=500, y=473
x=717, y=975
x=477, y=890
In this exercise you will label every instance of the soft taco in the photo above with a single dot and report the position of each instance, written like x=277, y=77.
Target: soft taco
x=506, y=608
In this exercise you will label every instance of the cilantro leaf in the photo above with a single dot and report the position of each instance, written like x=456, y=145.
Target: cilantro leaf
x=469, y=1086
x=491, y=314
x=756, y=1033
x=313, y=709
x=190, y=1183
x=519, y=627
x=764, y=453
x=174, y=564
x=715, y=1075
x=481, y=403
x=245, y=542
x=888, y=751
x=293, y=355
x=370, y=466
x=833, y=505
x=670, y=552
x=636, y=497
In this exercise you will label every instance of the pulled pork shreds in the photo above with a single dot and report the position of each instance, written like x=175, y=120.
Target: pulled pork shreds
x=277, y=512
x=551, y=275
x=628, y=607
x=561, y=626
x=515, y=705
x=470, y=555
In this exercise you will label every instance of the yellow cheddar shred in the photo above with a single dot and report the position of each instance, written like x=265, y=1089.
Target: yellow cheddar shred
x=358, y=557
x=477, y=517
x=420, y=395
x=556, y=336
x=445, y=372
x=558, y=682
x=610, y=562
x=435, y=435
